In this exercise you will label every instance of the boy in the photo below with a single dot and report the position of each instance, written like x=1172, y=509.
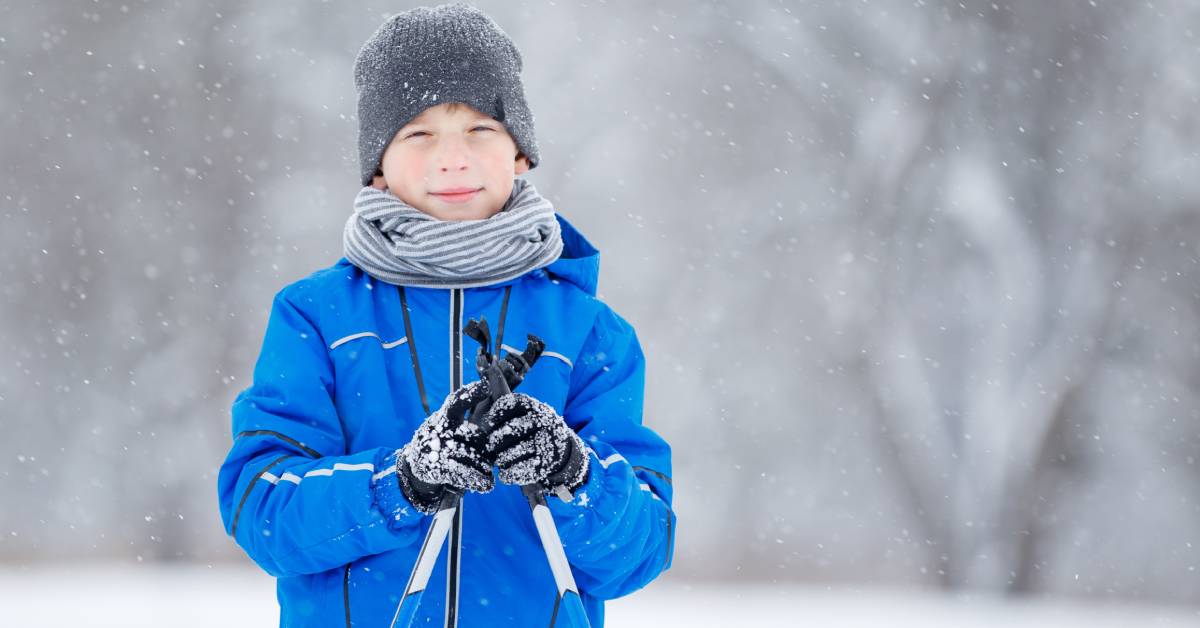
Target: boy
x=339, y=458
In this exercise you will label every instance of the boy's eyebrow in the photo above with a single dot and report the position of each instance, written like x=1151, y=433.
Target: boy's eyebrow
x=482, y=117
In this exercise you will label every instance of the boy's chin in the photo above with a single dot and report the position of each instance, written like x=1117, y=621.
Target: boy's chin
x=457, y=212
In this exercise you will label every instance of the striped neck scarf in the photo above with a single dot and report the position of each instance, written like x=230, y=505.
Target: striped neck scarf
x=399, y=244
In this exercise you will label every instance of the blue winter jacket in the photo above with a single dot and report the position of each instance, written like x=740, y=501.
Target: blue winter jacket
x=344, y=379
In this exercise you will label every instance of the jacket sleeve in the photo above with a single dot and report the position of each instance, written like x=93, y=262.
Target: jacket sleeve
x=618, y=531
x=290, y=494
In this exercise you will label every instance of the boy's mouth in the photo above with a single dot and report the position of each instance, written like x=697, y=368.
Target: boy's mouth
x=456, y=195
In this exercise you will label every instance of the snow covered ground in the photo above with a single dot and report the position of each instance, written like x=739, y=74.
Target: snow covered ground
x=234, y=597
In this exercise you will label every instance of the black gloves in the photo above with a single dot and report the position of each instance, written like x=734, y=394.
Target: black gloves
x=527, y=440
x=531, y=443
x=446, y=451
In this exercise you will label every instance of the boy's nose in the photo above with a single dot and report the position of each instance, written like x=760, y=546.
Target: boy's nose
x=452, y=155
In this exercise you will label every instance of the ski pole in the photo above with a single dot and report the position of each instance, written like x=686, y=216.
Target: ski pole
x=496, y=373
x=568, y=594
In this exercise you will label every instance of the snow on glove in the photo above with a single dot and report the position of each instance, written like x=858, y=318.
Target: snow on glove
x=446, y=451
x=531, y=443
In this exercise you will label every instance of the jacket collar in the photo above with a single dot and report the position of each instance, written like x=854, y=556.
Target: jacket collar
x=580, y=260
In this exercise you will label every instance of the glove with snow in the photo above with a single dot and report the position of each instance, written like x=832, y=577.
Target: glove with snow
x=531, y=443
x=446, y=452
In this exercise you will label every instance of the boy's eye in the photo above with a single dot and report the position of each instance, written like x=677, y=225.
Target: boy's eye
x=415, y=134
x=483, y=128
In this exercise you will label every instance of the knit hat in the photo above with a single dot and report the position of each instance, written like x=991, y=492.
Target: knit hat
x=428, y=56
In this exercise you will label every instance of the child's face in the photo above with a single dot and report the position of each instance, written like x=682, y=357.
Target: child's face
x=452, y=162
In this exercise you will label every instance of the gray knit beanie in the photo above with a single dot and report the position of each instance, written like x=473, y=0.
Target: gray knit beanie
x=429, y=56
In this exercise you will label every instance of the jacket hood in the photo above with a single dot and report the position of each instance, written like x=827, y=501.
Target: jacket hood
x=580, y=260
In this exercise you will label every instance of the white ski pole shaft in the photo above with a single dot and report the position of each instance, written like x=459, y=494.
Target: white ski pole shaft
x=435, y=538
x=568, y=606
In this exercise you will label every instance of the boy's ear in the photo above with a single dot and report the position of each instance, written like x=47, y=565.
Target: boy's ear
x=378, y=181
x=522, y=164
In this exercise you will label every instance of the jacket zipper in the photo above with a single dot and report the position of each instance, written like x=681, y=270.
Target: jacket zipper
x=455, y=554
x=456, y=380
x=346, y=592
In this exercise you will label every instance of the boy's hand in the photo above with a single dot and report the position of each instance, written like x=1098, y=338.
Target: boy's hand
x=446, y=451
x=531, y=443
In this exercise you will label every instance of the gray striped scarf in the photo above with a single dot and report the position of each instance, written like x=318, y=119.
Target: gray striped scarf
x=399, y=244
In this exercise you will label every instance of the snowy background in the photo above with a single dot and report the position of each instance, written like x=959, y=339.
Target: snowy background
x=917, y=281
